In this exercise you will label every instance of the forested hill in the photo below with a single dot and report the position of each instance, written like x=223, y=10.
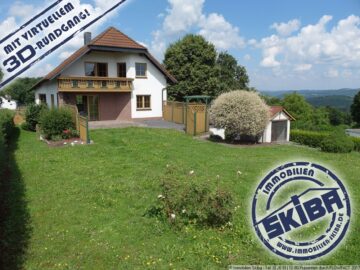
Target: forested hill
x=340, y=99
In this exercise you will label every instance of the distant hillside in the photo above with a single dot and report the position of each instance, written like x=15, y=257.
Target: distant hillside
x=340, y=99
x=340, y=102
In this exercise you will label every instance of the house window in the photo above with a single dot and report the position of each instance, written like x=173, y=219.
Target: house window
x=122, y=70
x=96, y=69
x=90, y=69
x=102, y=69
x=143, y=103
x=140, y=69
x=52, y=101
x=42, y=98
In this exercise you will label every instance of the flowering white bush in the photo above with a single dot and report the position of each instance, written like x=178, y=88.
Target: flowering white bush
x=240, y=113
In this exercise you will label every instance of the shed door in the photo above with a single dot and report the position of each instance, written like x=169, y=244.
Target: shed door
x=279, y=131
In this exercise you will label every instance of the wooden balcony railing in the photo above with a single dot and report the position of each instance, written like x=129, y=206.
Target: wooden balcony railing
x=94, y=84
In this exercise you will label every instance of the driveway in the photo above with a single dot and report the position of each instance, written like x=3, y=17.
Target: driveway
x=163, y=124
x=140, y=123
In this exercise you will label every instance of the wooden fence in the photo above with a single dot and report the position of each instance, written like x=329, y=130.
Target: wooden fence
x=197, y=119
x=174, y=112
x=83, y=129
x=19, y=116
x=193, y=115
x=81, y=123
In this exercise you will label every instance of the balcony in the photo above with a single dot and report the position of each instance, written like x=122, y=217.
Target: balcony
x=94, y=84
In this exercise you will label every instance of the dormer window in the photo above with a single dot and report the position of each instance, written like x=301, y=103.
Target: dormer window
x=96, y=69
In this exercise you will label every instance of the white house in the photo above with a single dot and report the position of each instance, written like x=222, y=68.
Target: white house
x=111, y=77
x=6, y=103
x=277, y=130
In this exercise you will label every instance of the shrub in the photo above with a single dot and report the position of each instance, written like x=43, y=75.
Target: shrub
x=6, y=131
x=337, y=142
x=356, y=142
x=6, y=124
x=32, y=116
x=309, y=138
x=53, y=122
x=242, y=114
x=184, y=202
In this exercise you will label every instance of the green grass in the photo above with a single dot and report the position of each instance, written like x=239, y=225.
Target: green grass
x=85, y=204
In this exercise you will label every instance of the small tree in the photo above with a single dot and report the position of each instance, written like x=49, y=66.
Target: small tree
x=1, y=75
x=355, y=109
x=240, y=113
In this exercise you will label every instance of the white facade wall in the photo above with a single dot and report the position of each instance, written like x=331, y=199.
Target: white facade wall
x=153, y=85
x=48, y=88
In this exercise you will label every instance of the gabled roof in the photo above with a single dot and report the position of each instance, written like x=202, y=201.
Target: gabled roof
x=274, y=110
x=111, y=39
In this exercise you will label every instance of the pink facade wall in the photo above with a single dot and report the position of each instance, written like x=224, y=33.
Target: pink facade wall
x=112, y=106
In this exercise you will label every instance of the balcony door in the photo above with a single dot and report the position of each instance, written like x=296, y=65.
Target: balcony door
x=88, y=105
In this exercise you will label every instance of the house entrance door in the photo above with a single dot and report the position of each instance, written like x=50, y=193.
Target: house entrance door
x=88, y=105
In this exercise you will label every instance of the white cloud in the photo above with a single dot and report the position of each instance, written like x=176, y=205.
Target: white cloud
x=315, y=44
x=332, y=73
x=285, y=29
x=65, y=54
x=220, y=32
x=187, y=15
x=38, y=72
x=22, y=10
x=247, y=57
x=182, y=15
x=303, y=67
x=7, y=26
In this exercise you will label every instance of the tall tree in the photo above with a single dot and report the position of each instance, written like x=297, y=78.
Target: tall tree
x=231, y=75
x=19, y=90
x=192, y=61
x=355, y=109
x=297, y=106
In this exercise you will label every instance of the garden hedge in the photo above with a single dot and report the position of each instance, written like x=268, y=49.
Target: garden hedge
x=6, y=131
x=309, y=138
x=315, y=138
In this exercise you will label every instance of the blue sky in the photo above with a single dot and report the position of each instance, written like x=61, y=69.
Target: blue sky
x=298, y=44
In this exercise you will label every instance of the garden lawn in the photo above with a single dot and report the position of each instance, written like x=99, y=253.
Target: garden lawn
x=85, y=205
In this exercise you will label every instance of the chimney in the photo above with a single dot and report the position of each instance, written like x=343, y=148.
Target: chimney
x=87, y=38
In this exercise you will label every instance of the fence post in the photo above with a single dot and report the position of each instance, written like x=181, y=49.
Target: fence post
x=206, y=116
x=194, y=123
x=87, y=131
x=172, y=112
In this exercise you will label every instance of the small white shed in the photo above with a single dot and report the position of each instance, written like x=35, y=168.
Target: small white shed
x=277, y=130
x=7, y=104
